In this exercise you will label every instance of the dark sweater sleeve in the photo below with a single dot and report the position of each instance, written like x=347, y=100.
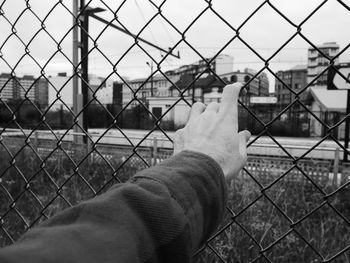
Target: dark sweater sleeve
x=163, y=214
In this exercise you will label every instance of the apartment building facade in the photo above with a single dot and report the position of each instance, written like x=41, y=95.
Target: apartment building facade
x=26, y=87
x=318, y=62
x=294, y=79
x=158, y=86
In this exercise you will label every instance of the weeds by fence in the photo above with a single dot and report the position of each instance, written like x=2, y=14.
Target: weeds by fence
x=58, y=186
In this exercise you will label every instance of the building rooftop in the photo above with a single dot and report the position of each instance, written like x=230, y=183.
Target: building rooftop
x=326, y=45
x=299, y=67
x=331, y=100
x=155, y=78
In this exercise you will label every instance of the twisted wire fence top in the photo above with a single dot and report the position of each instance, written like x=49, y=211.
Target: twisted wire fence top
x=279, y=209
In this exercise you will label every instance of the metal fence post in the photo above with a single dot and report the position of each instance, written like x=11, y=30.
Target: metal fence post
x=77, y=105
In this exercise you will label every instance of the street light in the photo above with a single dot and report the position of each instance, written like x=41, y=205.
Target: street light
x=151, y=66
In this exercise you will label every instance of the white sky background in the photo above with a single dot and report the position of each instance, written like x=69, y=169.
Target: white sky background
x=266, y=31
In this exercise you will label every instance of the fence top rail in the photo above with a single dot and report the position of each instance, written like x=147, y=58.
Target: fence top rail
x=263, y=146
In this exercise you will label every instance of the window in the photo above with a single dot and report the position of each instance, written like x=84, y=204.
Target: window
x=198, y=92
x=233, y=79
x=286, y=76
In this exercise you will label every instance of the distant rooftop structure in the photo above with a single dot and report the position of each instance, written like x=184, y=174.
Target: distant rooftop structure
x=221, y=64
x=156, y=77
x=299, y=67
x=332, y=44
x=330, y=100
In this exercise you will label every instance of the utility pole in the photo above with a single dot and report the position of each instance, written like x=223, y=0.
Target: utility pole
x=84, y=51
x=75, y=60
x=86, y=12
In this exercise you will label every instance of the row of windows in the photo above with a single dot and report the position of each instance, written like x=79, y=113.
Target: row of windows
x=148, y=84
x=325, y=51
x=294, y=75
x=296, y=86
x=127, y=95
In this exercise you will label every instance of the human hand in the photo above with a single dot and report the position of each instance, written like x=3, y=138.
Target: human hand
x=213, y=130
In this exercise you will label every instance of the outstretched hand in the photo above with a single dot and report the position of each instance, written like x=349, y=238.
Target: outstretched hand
x=213, y=130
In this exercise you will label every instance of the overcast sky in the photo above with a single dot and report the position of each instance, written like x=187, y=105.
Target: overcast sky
x=266, y=31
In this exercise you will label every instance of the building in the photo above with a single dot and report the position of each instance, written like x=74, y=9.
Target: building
x=60, y=91
x=26, y=87
x=258, y=84
x=208, y=87
x=175, y=110
x=162, y=100
x=7, y=87
x=161, y=86
x=318, y=62
x=198, y=90
x=294, y=79
x=41, y=92
x=330, y=107
x=220, y=65
x=103, y=90
x=15, y=88
x=158, y=86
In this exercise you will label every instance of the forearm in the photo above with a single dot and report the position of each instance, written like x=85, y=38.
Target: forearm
x=161, y=215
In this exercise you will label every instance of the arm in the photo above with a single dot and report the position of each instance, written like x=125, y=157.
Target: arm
x=164, y=213
x=161, y=215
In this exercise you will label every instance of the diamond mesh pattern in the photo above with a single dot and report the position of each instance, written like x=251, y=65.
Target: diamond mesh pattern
x=280, y=209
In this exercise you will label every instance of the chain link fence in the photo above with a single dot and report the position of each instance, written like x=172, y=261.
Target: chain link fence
x=280, y=209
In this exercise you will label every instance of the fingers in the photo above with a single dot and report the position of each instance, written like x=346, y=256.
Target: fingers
x=196, y=110
x=229, y=104
x=244, y=137
x=214, y=107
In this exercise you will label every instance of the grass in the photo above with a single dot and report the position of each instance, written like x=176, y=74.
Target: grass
x=273, y=221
